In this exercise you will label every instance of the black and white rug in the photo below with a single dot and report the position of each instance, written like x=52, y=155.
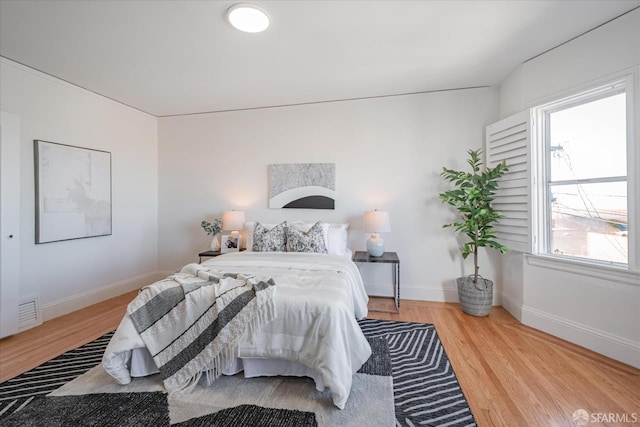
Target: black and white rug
x=408, y=373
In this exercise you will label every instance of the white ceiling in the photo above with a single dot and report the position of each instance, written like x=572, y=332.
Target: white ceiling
x=182, y=57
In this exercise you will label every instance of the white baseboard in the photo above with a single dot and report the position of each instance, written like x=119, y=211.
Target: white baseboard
x=379, y=291
x=513, y=306
x=76, y=302
x=605, y=343
x=441, y=294
x=447, y=293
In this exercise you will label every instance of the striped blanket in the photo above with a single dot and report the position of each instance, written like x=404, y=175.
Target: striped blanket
x=192, y=321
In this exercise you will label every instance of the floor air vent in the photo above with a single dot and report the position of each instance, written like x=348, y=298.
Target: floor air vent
x=29, y=313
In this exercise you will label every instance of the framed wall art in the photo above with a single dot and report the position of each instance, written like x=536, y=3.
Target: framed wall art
x=73, y=192
x=302, y=185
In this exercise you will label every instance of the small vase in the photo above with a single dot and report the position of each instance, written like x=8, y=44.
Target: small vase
x=215, y=243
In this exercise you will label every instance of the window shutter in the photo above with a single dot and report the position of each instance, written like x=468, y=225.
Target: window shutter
x=509, y=140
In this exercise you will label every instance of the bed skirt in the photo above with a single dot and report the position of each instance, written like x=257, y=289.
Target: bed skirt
x=142, y=365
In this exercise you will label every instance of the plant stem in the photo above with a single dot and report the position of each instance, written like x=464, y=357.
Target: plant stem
x=475, y=263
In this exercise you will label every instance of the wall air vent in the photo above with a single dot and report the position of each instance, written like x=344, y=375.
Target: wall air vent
x=29, y=314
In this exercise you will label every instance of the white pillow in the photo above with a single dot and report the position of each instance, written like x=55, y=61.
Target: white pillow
x=338, y=240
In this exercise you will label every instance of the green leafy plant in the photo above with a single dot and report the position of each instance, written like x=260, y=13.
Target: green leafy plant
x=472, y=197
x=212, y=228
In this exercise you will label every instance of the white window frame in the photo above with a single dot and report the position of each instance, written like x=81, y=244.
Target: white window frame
x=623, y=82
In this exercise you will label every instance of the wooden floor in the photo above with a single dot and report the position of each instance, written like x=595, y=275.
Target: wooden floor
x=512, y=375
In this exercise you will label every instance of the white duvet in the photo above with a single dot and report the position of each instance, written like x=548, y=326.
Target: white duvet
x=318, y=299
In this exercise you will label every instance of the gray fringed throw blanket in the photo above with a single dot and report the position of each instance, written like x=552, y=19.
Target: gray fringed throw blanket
x=192, y=321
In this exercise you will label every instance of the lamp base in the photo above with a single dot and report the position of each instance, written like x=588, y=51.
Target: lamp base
x=375, y=245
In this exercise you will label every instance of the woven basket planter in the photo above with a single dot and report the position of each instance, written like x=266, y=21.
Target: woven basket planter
x=475, y=298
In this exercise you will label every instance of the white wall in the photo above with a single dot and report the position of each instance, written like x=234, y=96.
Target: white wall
x=388, y=154
x=69, y=275
x=599, y=313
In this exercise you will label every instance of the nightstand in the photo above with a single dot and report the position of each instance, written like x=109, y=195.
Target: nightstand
x=212, y=254
x=208, y=254
x=389, y=258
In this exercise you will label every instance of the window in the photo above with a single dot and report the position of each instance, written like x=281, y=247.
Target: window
x=583, y=189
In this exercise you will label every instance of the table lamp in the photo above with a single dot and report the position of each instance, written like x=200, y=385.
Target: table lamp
x=376, y=222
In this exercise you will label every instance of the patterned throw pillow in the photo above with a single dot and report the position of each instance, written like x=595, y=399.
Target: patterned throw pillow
x=311, y=241
x=274, y=240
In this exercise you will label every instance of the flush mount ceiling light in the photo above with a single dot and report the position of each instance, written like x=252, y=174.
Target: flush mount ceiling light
x=248, y=18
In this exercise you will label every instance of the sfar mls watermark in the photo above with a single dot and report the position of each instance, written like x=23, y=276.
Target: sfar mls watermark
x=583, y=418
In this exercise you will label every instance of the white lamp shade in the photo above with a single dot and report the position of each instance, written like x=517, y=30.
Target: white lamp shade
x=376, y=222
x=233, y=220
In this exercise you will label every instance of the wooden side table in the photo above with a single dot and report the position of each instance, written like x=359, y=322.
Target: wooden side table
x=212, y=254
x=389, y=258
x=208, y=254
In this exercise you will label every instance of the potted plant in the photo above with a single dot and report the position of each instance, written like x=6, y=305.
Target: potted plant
x=472, y=197
x=213, y=229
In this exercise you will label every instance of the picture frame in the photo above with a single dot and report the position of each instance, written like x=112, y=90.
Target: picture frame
x=229, y=243
x=72, y=192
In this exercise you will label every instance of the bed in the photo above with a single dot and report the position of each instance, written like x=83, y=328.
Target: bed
x=317, y=300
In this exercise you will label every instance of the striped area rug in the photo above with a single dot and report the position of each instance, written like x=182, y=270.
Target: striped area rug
x=426, y=390
x=21, y=390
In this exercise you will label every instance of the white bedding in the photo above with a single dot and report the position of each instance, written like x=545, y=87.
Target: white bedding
x=318, y=299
